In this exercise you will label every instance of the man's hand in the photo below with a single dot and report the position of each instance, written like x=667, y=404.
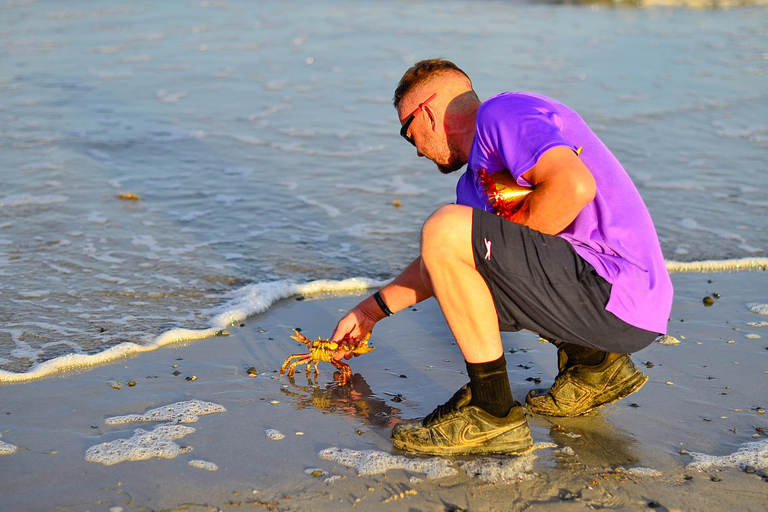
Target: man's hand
x=408, y=288
x=352, y=328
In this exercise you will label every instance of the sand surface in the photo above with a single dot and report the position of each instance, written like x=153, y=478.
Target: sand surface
x=705, y=395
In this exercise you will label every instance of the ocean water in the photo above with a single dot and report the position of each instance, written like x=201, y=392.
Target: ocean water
x=262, y=143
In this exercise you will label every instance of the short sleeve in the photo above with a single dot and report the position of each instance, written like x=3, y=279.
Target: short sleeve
x=514, y=130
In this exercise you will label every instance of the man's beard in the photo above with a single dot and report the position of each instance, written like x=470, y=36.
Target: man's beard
x=455, y=162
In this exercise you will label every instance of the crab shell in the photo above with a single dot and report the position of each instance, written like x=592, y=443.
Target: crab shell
x=322, y=350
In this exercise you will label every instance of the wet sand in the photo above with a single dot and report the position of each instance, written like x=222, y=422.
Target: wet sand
x=704, y=395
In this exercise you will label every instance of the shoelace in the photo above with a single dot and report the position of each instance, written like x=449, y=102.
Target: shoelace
x=448, y=407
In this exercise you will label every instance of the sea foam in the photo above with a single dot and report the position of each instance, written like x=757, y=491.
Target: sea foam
x=760, y=309
x=141, y=446
x=504, y=470
x=372, y=462
x=713, y=265
x=256, y=298
x=202, y=464
x=249, y=300
x=498, y=470
x=642, y=471
x=181, y=412
x=160, y=441
x=6, y=448
x=749, y=454
x=274, y=435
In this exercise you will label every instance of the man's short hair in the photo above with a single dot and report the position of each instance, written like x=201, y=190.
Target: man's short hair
x=422, y=72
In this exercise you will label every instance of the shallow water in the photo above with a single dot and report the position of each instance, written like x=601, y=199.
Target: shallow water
x=262, y=142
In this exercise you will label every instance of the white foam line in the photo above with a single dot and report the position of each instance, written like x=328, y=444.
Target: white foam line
x=257, y=298
x=244, y=302
x=72, y=361
x=707, y=265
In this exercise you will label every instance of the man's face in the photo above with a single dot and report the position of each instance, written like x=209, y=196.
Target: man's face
x=427, y=135
x=454, y=161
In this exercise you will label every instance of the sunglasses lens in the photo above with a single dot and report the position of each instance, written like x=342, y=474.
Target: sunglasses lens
x=404, y=130
x=407, y=124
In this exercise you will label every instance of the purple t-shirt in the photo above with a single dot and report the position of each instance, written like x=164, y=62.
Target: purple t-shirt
x=614, y=232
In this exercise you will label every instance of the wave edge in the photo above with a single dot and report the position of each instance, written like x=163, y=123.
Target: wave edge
x=243, y=302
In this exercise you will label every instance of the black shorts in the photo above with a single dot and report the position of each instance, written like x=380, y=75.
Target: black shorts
x=539, y=283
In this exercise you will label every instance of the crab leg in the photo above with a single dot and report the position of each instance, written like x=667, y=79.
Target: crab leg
x=287, y=362
x=309, y=365
x=299, y=359
x=344, y=368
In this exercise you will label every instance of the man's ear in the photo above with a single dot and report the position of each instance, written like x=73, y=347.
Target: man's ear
x=432, y=117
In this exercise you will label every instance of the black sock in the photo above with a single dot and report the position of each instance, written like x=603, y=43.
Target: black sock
x=578, y=354
x=489, y=384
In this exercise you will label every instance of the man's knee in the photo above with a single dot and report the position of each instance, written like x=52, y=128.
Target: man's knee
x=447, y=232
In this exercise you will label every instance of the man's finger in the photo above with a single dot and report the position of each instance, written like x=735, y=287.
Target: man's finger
x=343, y=355
x=339, y=337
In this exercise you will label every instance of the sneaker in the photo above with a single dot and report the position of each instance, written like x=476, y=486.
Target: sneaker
x=457, y=428
x=581, y=388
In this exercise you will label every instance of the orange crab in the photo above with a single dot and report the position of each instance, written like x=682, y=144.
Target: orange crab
x=324, y=350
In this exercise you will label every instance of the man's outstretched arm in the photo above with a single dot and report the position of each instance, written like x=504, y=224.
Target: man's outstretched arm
x=408, y=288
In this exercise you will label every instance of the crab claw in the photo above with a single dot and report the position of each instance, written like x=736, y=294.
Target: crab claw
x=302, y=339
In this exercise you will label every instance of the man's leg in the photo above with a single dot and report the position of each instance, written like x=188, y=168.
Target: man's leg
x=539, y=283
x=466, y=302
x=485, y=408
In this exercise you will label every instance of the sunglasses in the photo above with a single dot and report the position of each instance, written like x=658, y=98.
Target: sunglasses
x=409, y=120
